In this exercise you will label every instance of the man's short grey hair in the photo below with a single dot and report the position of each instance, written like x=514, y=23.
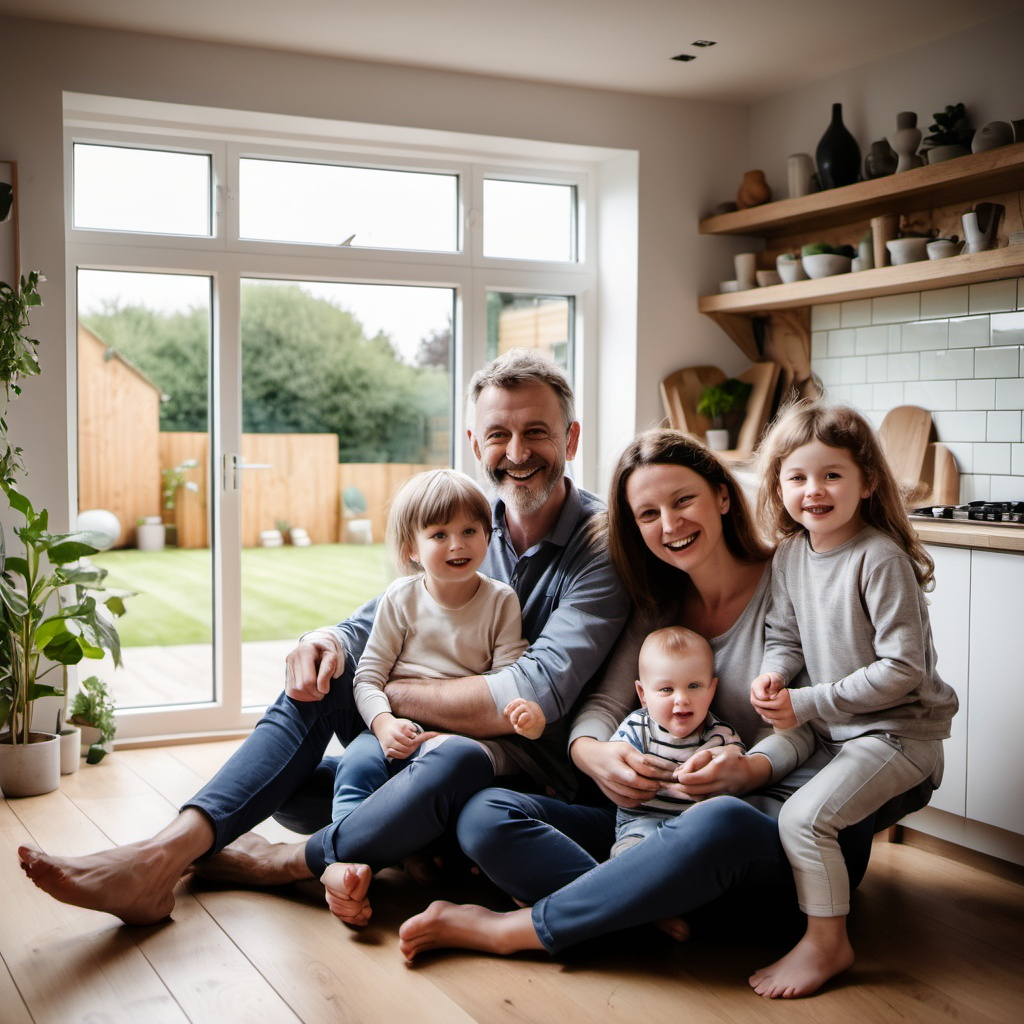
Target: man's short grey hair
x=521, y=367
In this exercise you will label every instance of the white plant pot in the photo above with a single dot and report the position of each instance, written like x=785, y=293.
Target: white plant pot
x=150, y=536
x=70, y=749
x=30, y=769
x=718, y=440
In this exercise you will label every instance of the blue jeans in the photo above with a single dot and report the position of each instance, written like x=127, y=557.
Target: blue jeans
x=281, y=765
x=720, y=846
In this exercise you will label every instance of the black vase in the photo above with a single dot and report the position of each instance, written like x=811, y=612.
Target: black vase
x=837, y=155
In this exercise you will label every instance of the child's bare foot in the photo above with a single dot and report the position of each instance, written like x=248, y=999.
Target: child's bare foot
x=674, y=927
x=253, y=860
x=821, y=954
x=526, y=718
x=346, y=887
x=421, y=868
x=466, y=926
x=134, y=882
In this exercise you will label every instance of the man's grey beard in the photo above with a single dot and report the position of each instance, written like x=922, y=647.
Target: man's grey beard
x=521, y=500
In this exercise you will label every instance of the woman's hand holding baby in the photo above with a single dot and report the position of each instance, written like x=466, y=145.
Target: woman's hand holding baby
x=720, y=770
x=625, y=775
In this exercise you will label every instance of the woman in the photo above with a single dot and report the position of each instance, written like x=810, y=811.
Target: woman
x=683, y=541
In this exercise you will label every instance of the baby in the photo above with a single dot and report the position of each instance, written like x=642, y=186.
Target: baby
x=676, y=685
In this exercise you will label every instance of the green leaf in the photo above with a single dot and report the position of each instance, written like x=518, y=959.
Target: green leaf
x=96, y=753
x=13, y=599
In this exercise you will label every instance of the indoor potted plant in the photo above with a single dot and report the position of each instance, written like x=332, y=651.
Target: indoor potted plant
x=93, y=711
x=18, y=357
x=949, y=136
x=715, y=403
x=49, y=618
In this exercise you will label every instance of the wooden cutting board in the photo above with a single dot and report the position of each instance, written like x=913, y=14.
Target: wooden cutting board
x=905, y=433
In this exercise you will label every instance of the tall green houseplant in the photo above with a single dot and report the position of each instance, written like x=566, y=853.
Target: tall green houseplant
x=18, y=358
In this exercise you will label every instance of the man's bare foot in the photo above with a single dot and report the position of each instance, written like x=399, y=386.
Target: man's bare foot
x=466, y=926
x=674, y=927
x=253, y=860
x=346, y=887
x=134, y=882
x=806, y=967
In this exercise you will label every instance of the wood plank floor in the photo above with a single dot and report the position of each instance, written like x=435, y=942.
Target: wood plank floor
x=937, y=940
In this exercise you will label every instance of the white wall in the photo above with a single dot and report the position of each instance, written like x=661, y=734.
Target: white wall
x=684, y=151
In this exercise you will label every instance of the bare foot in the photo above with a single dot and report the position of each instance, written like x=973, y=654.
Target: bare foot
x=346, y=888
x=253, y=860
x=675, y=928
x=134, y=882
x=805, y=968
x=421, y=868
x=466, y=926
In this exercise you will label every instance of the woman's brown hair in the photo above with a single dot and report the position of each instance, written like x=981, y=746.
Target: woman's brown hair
x=837, y=426
x=649, y=580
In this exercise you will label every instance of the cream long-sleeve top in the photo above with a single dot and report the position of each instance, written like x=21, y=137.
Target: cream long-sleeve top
x=413, y=637
x=857, y=620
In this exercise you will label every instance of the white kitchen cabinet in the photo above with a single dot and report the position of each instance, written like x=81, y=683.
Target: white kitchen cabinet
x=995, y=723
x=949, y=607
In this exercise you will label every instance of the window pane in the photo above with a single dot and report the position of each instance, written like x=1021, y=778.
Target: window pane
x=346, y=391
x=323, y=204
x=527, y=221
x=145, y=190
x=143, y=456
x=541, y=322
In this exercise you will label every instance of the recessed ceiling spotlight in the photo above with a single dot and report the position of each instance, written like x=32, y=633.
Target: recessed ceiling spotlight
x=703, y=42
x=684, y=57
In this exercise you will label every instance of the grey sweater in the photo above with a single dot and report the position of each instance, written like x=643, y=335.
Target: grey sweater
x=857, y=620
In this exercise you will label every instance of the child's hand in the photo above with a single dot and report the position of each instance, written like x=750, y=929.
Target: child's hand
x=776, y=709
x=526, y=717
x=765, y=686
x=398, y=737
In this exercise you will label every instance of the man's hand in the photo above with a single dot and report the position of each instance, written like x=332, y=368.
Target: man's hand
x=720, y=770
x=310, y=667
x=624, y=774
x=398, y=737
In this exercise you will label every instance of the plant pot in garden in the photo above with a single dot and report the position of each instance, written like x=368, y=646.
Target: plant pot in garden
x=70, y=749
x=150, y=534
x=30, y=769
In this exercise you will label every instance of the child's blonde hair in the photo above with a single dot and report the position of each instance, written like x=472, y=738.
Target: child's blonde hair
x=837, y=426
x=677, y=640
x=428, y=499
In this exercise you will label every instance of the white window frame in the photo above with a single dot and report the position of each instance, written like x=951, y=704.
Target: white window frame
x=226, y=136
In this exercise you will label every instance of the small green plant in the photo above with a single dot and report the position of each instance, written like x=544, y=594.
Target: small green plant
x=824, y=249
x=174, y=479
x=950, y=128
x=94, y=706
x=718, y=400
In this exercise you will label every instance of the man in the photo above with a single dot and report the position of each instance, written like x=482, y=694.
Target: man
x=523, y=430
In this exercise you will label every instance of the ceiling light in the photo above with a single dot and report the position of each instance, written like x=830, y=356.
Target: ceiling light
x=684, y=57
x=703, y=42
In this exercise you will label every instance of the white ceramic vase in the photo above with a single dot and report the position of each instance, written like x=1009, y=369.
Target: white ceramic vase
x=30, y=769
x=70, y=749
x=905, y=141
x=718, y=440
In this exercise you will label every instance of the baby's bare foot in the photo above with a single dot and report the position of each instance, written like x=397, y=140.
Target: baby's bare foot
x=253, y=860
x=803, y=970
x=346, y=887
x=134, y=882
x=675, y=928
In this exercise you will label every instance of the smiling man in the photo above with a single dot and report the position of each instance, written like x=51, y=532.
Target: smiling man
x=523, y=430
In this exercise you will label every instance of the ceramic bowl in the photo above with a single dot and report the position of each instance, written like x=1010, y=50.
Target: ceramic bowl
x=728, y=286
x=826, y=264
x=907, y=250
x=942, y=248
x=765, y=278
x=790, y=270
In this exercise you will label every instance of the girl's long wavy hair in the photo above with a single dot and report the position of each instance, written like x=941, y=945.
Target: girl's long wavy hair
x=837, y=426
x=650, y=581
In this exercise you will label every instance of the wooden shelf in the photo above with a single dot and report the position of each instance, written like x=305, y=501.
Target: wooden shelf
x=962, y=179
x=926, y=275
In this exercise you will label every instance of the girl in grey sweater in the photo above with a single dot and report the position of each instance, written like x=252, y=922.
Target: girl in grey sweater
x=847, y=605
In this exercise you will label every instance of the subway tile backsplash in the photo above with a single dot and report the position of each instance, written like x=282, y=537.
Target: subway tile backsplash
x=958, y=352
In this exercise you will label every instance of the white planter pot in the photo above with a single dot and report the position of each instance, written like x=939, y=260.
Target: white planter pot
x=70, y=749
x=30, y=769
x=150, y=536
x=718, y=440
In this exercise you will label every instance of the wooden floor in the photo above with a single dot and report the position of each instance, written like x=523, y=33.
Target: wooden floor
x=937, y=940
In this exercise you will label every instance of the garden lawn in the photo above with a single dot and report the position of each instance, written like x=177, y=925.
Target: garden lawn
x=285, y=591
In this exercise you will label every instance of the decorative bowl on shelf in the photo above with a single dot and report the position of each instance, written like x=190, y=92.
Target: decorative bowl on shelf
x=765, y=278
x=790, y=269
x=907, y=250
x=942, y=248
x=826, y=264
x=728, y=286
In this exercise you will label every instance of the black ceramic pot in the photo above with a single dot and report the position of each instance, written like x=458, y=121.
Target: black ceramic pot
x=837, y=155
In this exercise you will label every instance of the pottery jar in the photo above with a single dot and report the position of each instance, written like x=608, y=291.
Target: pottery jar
x=837, y=155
